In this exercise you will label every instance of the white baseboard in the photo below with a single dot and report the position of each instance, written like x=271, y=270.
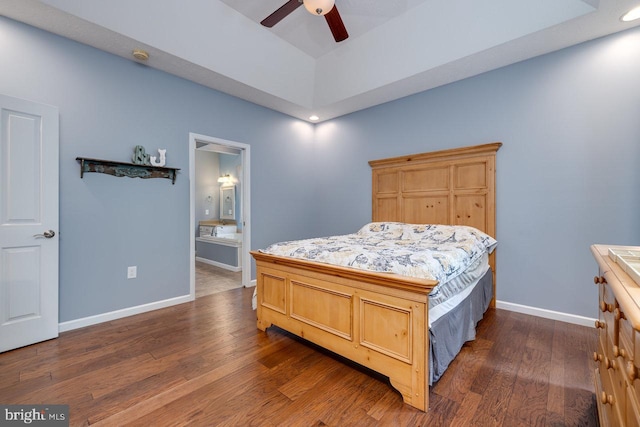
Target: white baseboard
x=219, y=264
x=125, y=312
x=118, y=314
x=547, y=314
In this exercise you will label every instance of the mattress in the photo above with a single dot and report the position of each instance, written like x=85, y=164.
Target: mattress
x=456, y=256
x=428, y=251
x=446, y=296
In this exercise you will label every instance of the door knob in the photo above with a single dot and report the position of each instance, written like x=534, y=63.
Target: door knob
x=48, y=234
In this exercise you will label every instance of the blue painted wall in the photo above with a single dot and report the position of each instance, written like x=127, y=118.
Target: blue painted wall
x=567, y=173
x=107, y=106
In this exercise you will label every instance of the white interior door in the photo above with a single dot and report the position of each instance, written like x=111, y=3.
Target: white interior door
x=28, y=222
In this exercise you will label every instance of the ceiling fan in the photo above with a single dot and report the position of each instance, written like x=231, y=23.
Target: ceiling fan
x=316, y=7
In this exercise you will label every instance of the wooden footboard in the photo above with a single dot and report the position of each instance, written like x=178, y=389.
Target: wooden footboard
x=375, y=319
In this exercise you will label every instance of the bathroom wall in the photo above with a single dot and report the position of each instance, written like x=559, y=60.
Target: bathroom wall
x=207, y=189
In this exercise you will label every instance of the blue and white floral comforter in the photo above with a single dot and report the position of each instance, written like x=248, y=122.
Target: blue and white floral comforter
x=438, y=252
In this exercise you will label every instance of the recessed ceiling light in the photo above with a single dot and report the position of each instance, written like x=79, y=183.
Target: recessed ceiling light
x=632, y=15
x=314, y=118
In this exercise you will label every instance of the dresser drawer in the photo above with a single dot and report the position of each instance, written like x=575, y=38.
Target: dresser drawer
x=608, y=307
x=601, y=325
x=632, y=413
x=618, y=384
x=625, y=348
x=632, y=372
x=626, y=338
x=636, y=346
x=613, y=394
x=604, y=410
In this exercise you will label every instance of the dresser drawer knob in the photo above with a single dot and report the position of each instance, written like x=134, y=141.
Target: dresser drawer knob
x=600, y=325
x=606, y=398
x=609, y=363
x=617, y=351
x=599, y=279
x=632, y=371
x=604, y=307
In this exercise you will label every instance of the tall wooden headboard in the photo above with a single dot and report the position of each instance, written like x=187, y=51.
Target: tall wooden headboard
x=456, y=187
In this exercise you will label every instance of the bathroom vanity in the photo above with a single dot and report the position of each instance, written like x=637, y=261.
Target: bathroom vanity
x=219, y=244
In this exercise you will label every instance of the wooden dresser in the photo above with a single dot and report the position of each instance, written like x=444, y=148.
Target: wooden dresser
x=618, y=355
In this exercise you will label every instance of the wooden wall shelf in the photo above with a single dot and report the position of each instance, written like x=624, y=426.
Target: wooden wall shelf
x=131, y=170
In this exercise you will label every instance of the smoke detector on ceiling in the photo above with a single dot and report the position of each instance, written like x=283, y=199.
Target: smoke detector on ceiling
x=140, y=55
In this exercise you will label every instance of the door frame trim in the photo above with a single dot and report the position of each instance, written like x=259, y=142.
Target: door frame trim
x=246, y=206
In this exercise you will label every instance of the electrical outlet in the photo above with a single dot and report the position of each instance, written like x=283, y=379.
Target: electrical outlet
x=132, y=272
x=206, y=211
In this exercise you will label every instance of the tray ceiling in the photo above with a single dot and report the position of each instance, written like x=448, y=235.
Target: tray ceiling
x=395, y=47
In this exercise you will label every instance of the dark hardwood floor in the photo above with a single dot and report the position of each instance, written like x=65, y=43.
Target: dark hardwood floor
x=204, y=363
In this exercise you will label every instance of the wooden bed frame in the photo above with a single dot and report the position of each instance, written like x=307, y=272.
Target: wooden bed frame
x=380, y=320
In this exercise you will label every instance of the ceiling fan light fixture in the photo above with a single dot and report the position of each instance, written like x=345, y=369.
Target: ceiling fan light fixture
x=327, y=8
x=318, y=7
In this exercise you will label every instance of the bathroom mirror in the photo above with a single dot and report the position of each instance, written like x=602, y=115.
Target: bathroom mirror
x=228, y=202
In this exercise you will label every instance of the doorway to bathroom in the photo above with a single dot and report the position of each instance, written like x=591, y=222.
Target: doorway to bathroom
x=220, y=225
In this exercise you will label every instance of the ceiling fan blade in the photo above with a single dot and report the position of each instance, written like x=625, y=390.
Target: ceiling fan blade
x=336, y=25
x=281, y=13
